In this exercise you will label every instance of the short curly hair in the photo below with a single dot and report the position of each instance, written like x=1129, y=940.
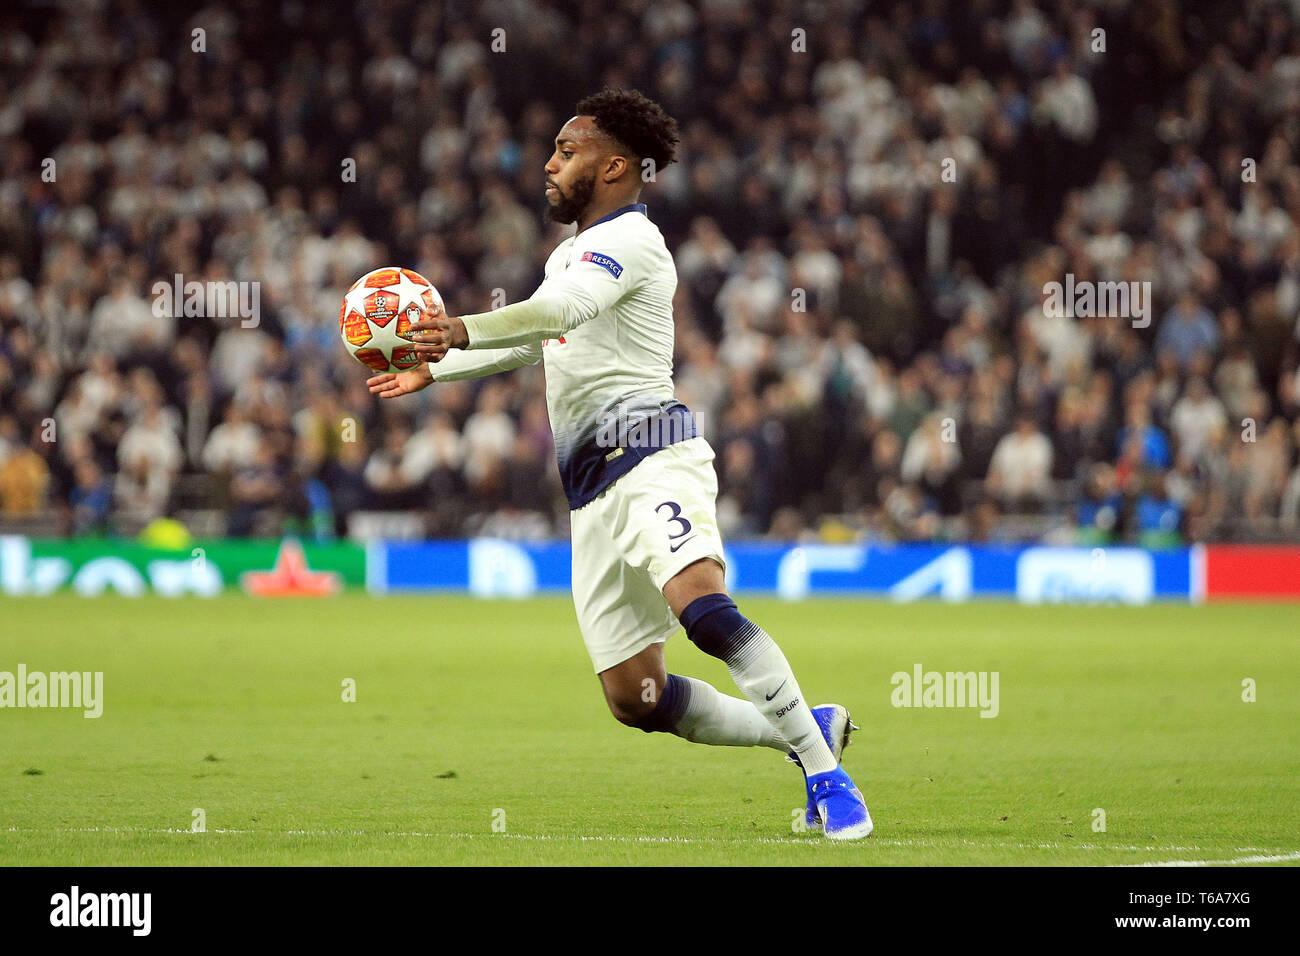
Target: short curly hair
x=635, y=122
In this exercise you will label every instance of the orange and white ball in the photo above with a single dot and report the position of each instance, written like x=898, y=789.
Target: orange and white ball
x=376, y=315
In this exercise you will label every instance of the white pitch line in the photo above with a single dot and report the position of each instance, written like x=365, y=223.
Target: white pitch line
x=1235, y=861
x=726, y=841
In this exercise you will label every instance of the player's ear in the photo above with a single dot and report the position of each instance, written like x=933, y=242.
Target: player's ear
x=614, y=168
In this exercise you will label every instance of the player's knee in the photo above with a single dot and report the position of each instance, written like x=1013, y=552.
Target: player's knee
x=628, y=708
x=716, y=627
x=654, y=708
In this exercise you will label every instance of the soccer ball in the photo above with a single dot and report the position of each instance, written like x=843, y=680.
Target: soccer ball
x=376, y=316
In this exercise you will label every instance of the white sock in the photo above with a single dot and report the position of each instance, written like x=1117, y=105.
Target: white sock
x=761, y=671
x=711, y=717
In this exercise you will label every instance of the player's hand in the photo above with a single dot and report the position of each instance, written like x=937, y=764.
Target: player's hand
x=397, y=384
x=436, y=332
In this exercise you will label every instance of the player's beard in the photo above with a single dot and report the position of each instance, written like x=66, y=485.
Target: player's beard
x=569, y=208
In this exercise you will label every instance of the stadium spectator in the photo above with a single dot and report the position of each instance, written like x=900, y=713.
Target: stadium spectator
x=1198, y=420
x=256, y=489
x=24, y=476
x=233, y=444
x=90, y=499
x=1187, y=330
x=1020, y=471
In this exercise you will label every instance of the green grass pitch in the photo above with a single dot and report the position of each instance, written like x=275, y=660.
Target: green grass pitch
x=479, y=736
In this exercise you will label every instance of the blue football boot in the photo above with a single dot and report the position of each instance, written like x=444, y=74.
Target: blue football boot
x=836, y=726
x=843, y=812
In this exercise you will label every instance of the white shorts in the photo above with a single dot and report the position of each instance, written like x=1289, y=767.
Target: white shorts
x=632, y=539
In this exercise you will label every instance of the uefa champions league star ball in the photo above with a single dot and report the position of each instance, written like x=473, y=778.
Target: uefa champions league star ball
x=376, y=315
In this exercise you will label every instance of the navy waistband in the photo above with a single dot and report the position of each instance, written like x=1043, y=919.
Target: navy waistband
x=616, y=450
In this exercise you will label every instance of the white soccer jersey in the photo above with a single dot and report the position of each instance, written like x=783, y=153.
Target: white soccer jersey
x=604, y=316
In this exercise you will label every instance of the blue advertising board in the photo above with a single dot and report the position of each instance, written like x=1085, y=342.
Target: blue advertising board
x=1034, y=574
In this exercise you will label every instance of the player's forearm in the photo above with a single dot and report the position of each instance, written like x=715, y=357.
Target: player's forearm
x=526, y=323
x=457, y=365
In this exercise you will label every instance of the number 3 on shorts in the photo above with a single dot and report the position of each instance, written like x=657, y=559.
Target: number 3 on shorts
x=676, y=516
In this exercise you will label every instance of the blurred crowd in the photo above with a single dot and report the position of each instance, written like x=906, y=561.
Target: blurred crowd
x=870, y=202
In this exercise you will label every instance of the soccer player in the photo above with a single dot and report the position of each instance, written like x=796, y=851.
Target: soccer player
x=647, y=552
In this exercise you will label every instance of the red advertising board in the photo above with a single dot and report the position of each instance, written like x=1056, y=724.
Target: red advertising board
x=1251, y=571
